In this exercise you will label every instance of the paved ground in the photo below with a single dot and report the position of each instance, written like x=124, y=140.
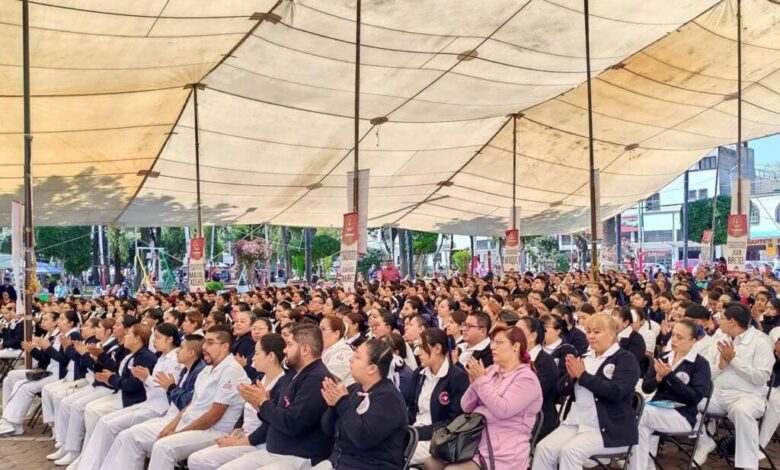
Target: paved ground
x=28, y=452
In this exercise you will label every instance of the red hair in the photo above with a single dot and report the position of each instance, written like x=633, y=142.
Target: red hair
x=516, y=336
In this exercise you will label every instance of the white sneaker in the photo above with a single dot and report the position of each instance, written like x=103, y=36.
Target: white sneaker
x=57, y=445
x=11, y=429
x=68, y=459
x=75, y=464
x=57, y=455
x=704, y=451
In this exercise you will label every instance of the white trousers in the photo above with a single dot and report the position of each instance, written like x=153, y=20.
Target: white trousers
x=170, y=449
x=567, y=449
x=264, y=460
x=223, y=458
x=106, y=430
x=421, y=453
x=53, y=393
x=655, y=419
x=132, y=444
x=69, y=421
x=743, y=411
x=10, y=382
x=92, y=413
x=21, y=396
x=771, y=418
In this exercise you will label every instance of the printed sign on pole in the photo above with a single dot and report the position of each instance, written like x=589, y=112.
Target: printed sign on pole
x=17, y=252
x=511, y=261
x=196, y=270
x=736, y=246
x=349, y=251
x=363, y=184
x=706, y=246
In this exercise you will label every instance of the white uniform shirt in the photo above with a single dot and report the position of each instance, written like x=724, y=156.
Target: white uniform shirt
x=54, y=366
x=534, y=352
x=467, y=352
x=424, y=400
x=156, y=398
x=71, y=364
x=583, y=410
x=552, y=347
x=650, y=331
x=749, y=371
x=251, y=421
x=217, y=385
x=336, y=359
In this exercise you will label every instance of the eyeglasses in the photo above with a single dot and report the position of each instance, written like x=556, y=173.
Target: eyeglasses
x=466, y=326
x=496, y=342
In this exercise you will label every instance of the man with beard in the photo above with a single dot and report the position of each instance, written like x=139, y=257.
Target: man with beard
x=214, y=410
x=295, y=438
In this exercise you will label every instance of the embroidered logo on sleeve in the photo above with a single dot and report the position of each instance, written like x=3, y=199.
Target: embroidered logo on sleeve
x=609, y=370
x=444, y=398
x=684, y=377
x=363, y=406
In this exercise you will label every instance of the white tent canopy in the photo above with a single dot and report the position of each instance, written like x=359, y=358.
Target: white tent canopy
x=276, y=116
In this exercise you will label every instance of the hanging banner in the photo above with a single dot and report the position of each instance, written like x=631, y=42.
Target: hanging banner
x=17, y=253
x=736, y=246
x=511, y=261
x=706, y=247
x=363, y=183
x=196, y=270
x=349, y=251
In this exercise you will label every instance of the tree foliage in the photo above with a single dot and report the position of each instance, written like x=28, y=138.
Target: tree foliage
x=72, y=246
x=172, y=239
x=700, y=218
x=461, y=259
x=373, y=256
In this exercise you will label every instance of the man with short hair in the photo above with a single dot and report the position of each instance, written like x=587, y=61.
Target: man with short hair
x=295, y=418
x=214, y=409
x=740, y=384
x=389, y=273
x=477, y=343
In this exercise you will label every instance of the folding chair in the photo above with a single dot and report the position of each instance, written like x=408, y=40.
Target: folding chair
x=639, y=407
x=694, y=436
x=412, y=438
x=535, y=432
x=723, y=417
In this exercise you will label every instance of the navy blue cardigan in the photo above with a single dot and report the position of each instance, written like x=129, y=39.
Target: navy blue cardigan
x=688, y=384
x=445, y=399
x=133, y=390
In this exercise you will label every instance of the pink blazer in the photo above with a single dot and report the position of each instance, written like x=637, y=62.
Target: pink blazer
x=510, y=403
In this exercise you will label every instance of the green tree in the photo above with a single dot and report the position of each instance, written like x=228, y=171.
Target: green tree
x=423, y=244
x=324, y=245
x=172, y=239
x=461, y=259
x=373, y=256
x=70, y=245
x=700, y=218
x=121, y=245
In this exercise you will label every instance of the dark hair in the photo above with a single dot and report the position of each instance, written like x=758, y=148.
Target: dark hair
x=483, y=320
x=267, y=322
x=515, y=335
x=739, y=313
x=178, y=317
x=458, y=316
x=535, y=326
x=509, y=317
x=432, y=337
x=587, y=308
x=397, y=343
x=692, y=327
x=224, y=333
x=169, y=330
x=624, y=314
x=195, y=317
x=380, y=354
x=129, y=320
x=273, y=343
x=155, y=314
x=195, y=342
x=698, y=312
x=72, y=317
x=310, y=335
x=107, y=323
x=93, y=322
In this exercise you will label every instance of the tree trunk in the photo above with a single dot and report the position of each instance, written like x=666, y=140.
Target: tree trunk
x=94, y=272
x=402, y=249
x=287, y=257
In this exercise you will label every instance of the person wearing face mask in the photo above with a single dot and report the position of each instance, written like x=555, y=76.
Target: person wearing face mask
x=438, y=387
x=18, y=391
x=235, y=450
x=243, y=346
x=771, y=315
x=602, y=418
x=368, y=419
x=680, y=379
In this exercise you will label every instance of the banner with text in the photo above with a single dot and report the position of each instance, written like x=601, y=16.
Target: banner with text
x=363, y=184
x=349, y=251
x=706, y=246
x=511, y=261
x=196, y=270
x=736, y=245
x=17, y=252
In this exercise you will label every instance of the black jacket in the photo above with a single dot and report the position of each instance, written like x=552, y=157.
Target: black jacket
x=133, y=390
x=244, y=346
x=688, y=384
x=578, y=339
x=63, y=357
x=295, y=418
x=372, y=438
x=445, y=399
x=635, y=344
x=111, y=350
x=559, y=356
x=613, y=396
x=548, y=374
x=259, y=435
x=41, y=356
x=13, y=335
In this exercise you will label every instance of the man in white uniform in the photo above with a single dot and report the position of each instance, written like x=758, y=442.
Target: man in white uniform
x=215, y=408
x=740, y=384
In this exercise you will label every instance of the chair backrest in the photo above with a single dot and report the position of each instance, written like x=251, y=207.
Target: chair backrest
x=771, y=384
x=639, y=405
x=537, y=429
x=565, y=404
x=411, y=445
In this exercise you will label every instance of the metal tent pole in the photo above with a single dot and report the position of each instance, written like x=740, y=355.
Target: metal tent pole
x=29, y=238
x=594, y=269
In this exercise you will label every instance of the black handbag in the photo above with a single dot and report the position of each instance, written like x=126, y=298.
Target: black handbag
x=37, y=374
x=459, y=441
